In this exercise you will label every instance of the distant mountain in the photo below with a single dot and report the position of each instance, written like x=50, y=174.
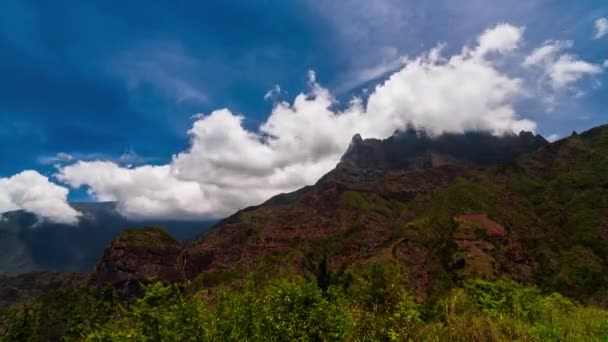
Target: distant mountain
x=27, y=244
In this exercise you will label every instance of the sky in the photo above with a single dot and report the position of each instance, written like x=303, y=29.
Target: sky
x=195, y=109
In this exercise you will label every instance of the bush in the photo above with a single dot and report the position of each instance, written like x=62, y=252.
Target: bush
x=161, y=315
x=506, y=311
x=375, y=306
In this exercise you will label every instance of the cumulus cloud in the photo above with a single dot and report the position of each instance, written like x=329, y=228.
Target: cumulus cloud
x=560, y=69
x=142, y=192
x=601, y=28
x=34, y=193
x=228, y=167
x=502, y=38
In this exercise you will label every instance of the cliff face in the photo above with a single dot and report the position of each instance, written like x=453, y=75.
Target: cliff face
x=372, y=207
x=137, y=257
x=415, y=150
x=444, y=209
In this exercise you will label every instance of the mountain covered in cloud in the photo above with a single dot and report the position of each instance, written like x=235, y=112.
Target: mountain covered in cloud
x=312, y=169
x=441, y=213
x=339, y=210
x=415, y=149
x=444, y=208
x=28, y=243
x=230, y=165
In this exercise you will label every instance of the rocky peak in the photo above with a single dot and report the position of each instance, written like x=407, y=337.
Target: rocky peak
x=414, y=149
x=139, y=256
x=356, y=139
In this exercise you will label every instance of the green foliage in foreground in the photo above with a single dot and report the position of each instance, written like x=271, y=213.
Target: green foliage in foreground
x=371, y=306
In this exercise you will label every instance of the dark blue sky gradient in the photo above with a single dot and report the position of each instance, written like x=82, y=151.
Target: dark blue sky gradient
x=98, y=78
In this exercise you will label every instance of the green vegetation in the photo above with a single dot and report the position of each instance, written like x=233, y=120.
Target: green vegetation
x=386, y=264
x=71, y=314
x=506, y=311
x=368, y=304
x=149, y=236
x=218, y=277
x=365, y=202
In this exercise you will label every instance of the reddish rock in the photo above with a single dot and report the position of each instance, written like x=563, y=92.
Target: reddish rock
x=137, y=257
x=492, y=229
x=354, y=213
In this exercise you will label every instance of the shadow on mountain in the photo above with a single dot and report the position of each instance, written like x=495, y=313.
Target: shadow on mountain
x=26, y=244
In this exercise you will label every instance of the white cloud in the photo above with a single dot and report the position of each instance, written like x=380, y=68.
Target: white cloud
x=560, y=69
x=601, y=28
x=605, y=65
x=228, y=167
x=273, y=93
x=66, y=157
x=463, y=93
x=500, y=39
x=552, y=137
x=567, y=69
x=142, y=192
x=60, y=157
x=33, y=192
x=371, y=73
x=547, y=53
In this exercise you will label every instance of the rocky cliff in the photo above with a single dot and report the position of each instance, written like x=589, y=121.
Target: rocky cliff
x=442, y=208
x=137, y=257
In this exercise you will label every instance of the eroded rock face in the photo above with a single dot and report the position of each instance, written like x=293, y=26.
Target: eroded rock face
x=444, y=208
x=137, y=257
x=414, y=150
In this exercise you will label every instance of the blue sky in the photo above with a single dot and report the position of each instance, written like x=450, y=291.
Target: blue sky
x=101, y=80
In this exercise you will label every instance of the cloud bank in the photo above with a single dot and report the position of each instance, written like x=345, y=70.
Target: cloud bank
x=228, y=167
x=33, y=192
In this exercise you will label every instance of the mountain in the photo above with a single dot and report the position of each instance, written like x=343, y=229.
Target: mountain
x=415, y=237
x=413, y=149
x=27, y=244
x=139, y=256
x=444, y=208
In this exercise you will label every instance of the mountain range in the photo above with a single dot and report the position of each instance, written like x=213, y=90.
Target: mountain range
x=443, y=207
x=445, y=211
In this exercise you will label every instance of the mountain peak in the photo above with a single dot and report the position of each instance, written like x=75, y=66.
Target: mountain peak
x=356, y=139
x=414, y=149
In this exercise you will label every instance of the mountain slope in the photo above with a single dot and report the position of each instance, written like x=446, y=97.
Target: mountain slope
x=537, y=214
x=434, y=243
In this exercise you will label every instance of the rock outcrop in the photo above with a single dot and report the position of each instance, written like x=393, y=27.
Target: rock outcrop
x=414, y=149
x=444, y=208
x=137, y=257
